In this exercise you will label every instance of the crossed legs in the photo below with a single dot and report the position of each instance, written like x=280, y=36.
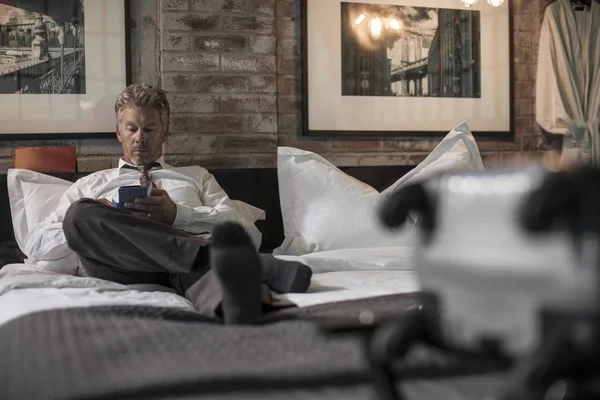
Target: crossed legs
x=226, y=278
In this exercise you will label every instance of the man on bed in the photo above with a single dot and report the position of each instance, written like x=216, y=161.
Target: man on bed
x=160, y=243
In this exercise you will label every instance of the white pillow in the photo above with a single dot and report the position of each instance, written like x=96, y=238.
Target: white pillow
x=32, y=196
x=458, y=150
x=325, y=209
x=249, y=212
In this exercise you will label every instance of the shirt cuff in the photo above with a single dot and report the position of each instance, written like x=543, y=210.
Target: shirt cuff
x=183, y=217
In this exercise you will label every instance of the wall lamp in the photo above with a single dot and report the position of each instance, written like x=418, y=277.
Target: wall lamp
x=377, y=24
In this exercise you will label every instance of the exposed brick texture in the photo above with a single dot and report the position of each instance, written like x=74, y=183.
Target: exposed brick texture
x=232, y=72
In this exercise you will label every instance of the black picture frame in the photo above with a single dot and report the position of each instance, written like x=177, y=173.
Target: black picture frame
x=12, y=136
x=409, y=135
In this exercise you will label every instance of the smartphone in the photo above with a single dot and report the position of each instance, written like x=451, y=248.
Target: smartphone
x=128, y=194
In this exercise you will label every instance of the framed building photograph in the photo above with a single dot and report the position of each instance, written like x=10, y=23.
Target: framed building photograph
x=62, y=65
x=411, y=68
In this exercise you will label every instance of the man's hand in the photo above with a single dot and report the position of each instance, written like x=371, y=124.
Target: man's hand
x=157, y=207
x=105, y=202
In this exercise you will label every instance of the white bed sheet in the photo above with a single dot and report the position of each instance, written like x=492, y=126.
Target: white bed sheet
x=398, y=258
x=26, y=288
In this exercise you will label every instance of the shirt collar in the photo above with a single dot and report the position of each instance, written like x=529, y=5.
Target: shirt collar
x=161, y=161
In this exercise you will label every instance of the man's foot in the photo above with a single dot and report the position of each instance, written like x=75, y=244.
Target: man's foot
x=285, y=276
x=238, y=268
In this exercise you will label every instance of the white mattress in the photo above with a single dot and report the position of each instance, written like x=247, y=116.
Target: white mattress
x=338, y=275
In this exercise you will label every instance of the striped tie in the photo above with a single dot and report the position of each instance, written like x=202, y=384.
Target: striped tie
x=144, y=175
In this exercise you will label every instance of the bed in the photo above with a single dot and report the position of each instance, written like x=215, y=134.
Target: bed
x=75, y=337
x=81, y=337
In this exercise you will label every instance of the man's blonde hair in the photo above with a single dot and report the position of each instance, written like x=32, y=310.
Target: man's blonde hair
x=144, y=95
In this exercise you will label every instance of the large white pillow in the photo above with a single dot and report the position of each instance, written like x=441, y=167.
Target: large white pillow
x=248, y=211
x=32, y=196
x=325, y=209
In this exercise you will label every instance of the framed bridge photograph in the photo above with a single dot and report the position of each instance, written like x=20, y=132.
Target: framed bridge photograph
x=410, y=68
x=62, y=65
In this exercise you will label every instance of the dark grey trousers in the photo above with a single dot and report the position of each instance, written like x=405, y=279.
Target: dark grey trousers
x=114, y=245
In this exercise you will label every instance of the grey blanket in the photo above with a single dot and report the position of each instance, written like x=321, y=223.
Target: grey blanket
x=118, y=352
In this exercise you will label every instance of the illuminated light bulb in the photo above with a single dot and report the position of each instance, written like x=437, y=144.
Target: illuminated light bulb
x=495, y=3
x=376, y=27
x=86, y=105
x=393, y=24
x=469, y=3
x=360, y=19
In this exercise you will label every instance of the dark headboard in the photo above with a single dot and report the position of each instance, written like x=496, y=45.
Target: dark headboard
x=258, y=187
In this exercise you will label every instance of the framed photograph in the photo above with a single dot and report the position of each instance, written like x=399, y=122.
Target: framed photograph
x=62, y=65
x=411, y=68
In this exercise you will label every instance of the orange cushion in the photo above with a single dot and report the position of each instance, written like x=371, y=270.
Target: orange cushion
x=47, y=159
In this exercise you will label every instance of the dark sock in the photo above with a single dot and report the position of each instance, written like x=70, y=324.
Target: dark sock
x=285, y=276
x=239, y=271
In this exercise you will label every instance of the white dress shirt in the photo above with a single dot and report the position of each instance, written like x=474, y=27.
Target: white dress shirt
x=201, y=204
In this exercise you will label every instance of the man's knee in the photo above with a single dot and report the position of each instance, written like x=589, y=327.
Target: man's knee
x=79, y=215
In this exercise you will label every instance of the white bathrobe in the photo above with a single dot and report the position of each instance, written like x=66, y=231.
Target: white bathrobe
x=568, y=79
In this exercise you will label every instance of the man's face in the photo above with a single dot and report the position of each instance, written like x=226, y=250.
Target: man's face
x=141, y=133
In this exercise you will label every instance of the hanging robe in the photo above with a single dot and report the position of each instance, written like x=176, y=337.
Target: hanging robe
x=568, y=79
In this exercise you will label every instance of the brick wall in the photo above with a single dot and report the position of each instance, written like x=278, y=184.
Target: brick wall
x=232, y=71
